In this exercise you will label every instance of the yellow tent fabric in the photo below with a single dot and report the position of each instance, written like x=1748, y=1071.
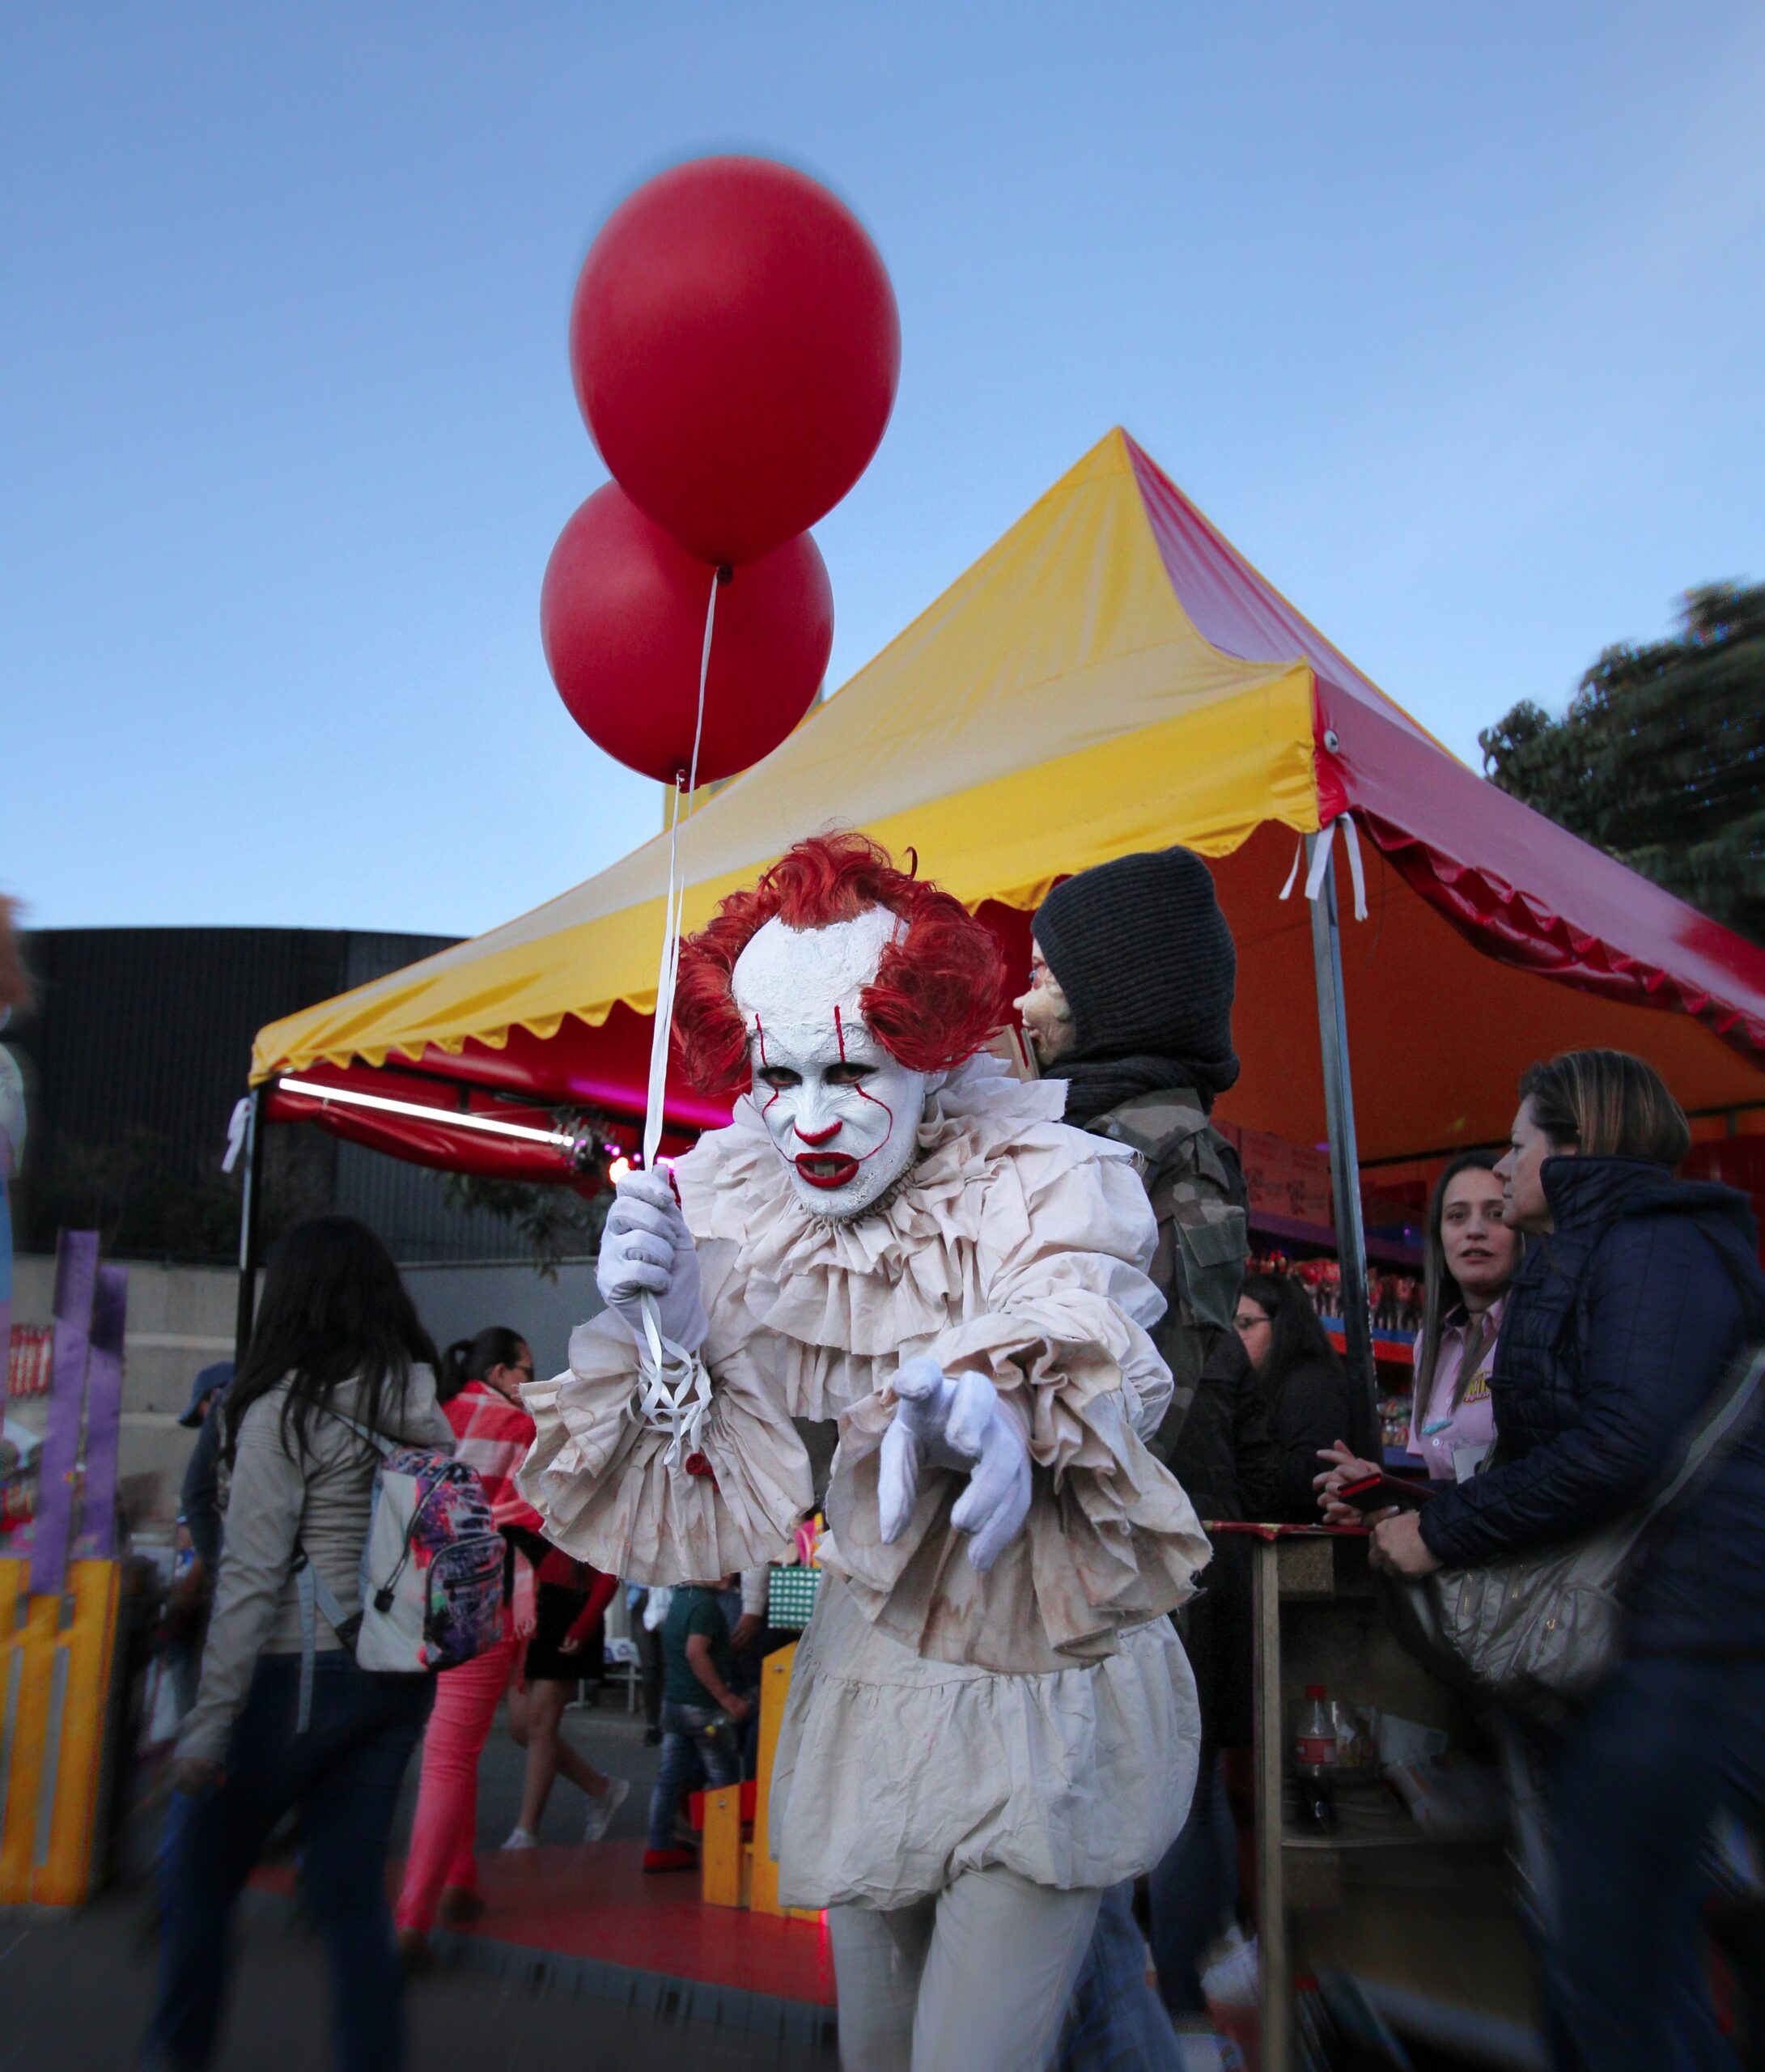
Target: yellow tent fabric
x=1055, y=707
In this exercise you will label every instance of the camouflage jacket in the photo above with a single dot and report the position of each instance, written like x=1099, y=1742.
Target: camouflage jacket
x=1198, y=1193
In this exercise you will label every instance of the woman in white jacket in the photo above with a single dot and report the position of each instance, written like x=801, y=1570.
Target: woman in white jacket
x=991, y=1718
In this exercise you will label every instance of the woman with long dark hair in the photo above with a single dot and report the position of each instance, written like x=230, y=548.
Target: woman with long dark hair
x=1623, y=1325
x=1471, y=1255
x=336, y=1338
x=1313, y=1404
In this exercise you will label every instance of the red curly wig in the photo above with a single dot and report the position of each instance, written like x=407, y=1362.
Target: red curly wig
x=940, y=992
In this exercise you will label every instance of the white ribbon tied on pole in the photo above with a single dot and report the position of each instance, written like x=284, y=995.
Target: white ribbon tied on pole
x=673, y=1392
x=236, y=1132
x=1314, y=877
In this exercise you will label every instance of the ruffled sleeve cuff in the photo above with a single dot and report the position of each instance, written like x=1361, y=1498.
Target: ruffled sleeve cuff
x=1111, y=1540
x=601, y=1480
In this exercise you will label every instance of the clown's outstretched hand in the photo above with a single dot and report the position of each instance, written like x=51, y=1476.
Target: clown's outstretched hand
x=957, y=1421
x=647, y=1250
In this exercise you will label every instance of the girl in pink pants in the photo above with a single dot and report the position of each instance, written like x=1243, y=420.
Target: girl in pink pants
x=493, y=1432
x=481, y=1380
x=441, y=1864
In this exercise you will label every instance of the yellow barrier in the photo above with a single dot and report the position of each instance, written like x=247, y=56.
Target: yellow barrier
x=732, y=1872
x=55, y=1672
x=722, y=1882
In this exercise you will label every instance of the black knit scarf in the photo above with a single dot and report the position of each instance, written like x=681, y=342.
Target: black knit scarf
x=1093, y=1089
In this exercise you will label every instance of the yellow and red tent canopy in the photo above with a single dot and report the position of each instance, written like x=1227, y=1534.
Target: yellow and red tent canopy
x=1112, y=675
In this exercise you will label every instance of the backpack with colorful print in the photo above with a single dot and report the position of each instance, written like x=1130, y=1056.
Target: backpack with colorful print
x=431, y=1574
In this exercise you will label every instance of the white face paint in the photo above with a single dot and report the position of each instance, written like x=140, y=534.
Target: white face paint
x=842, y=1112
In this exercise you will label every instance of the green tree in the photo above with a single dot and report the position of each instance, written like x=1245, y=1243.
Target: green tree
x=1660, y=757
x=557, y=1223
x=558, y=1220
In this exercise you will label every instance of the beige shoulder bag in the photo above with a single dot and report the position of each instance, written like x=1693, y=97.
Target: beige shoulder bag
x=1539, y=1631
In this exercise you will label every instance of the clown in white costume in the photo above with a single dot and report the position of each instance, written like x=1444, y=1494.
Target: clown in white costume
x=990, y=1718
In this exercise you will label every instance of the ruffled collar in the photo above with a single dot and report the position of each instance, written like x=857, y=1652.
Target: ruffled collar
x=867, y=1284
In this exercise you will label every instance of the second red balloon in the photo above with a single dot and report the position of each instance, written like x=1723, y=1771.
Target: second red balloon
x=622, y=615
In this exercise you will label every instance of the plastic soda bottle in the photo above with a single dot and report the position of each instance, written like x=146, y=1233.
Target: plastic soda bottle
x=1315, y=1759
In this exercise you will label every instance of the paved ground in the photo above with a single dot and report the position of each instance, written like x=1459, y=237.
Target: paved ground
x=75, y=1993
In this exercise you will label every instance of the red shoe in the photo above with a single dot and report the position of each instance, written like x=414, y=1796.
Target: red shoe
x=671, y=1859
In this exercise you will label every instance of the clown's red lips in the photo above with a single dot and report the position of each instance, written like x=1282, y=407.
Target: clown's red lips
x=826, y=1168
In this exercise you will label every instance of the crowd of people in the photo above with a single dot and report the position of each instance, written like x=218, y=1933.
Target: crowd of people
x=1025, y=1303
x=297, y=1490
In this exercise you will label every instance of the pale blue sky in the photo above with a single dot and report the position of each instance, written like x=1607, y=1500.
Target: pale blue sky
x=1452, y=318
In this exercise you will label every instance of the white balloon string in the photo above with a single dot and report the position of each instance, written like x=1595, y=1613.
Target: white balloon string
x=673, y=910
x=704, y=673
x=657, y=1093
x=674, y=1388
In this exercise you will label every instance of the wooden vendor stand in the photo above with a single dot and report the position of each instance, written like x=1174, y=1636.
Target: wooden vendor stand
x=1424, y=1920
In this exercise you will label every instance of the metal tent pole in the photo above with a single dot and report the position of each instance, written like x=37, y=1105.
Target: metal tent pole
x=1339, y=1119
x=250, y=1221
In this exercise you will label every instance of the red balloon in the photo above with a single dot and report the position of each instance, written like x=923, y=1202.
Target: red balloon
x=736, y=347
x=622, y=615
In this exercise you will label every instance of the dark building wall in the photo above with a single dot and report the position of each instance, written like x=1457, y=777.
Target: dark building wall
x=405, y=1205
x=137, y=1048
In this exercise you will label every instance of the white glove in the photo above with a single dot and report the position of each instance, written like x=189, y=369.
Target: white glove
x=647, y=1250
x=960, y=1424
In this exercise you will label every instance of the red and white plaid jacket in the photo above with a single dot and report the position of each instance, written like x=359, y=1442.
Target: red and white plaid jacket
x=492, y=1435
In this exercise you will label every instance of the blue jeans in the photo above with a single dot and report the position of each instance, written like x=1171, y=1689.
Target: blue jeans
x=697, y=1740
x=344, y=1774
x=1194, y=1890
x=1635, y=1784
x=1114, y=2023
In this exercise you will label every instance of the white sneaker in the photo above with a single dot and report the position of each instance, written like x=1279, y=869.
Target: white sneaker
x=1232, y=1978
x=520, y=1838
x=601, y=1810
x=1206, y=2050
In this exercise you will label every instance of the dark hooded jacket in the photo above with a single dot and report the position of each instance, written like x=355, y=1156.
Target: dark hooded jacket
x=1145, y=960
x=1226, y=1456
x=1619, y=1326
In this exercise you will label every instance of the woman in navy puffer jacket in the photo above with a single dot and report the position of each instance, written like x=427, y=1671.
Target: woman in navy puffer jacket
x=1622, y=1322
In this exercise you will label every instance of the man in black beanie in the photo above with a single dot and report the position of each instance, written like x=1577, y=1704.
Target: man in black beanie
x=1130, y=1002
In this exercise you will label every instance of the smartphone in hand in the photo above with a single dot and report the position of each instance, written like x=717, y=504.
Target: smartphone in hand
x=1379, y=1492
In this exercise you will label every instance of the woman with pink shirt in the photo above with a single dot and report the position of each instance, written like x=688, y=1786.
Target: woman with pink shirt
x=1471, y=1257
x=482, y=1384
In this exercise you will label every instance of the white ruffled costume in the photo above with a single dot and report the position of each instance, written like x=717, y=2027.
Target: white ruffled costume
x=1040, y=1718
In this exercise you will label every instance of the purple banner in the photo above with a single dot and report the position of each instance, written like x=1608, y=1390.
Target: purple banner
x=76, y=1283
x=6, y=1251
x=96, y=1537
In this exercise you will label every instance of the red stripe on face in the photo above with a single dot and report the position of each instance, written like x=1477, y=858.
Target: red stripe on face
x=889, y=1111
x=761, y=1035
